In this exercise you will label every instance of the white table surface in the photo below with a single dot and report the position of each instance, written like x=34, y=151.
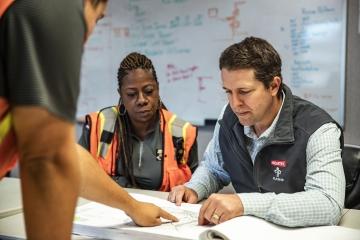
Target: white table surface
x=12, y=222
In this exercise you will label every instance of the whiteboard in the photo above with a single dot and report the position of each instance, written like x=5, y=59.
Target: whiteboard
x=184, y=39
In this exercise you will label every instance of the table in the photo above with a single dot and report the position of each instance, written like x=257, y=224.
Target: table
x=10, y=200
x=12, y=219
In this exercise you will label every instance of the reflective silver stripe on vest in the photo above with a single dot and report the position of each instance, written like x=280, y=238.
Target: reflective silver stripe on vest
x=177, y=127
x=109, y=116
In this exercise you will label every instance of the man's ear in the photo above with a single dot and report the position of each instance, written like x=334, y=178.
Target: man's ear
x=96, y=2
x=275, y=85
x=93, y=11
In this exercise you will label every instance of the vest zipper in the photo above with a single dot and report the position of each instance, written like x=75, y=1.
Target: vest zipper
x=256, y=173
x=227, y=135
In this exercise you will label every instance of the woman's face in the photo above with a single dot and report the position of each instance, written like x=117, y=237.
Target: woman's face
x=140, y=95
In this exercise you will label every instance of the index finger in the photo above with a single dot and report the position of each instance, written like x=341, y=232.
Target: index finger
x=179, y=197
x=201, y=218
x=168, y=216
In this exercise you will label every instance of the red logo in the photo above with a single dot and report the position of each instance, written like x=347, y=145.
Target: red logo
x=279, y=163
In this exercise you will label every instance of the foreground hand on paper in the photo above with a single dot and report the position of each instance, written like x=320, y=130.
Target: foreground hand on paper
x=219, y=208
x=181, y=193
x=148, y=214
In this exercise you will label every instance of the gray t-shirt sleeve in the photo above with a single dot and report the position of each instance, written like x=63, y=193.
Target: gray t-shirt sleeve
x=41, y=44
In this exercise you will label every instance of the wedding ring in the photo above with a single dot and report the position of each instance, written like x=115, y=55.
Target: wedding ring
x=215, y=216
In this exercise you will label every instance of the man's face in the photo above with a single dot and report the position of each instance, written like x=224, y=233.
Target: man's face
x=92, y=14
x=253, y=104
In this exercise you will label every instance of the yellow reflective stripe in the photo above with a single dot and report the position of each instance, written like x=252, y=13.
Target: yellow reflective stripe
x=186, y=125
x=5, y=126
x=172, y=119
x=183, y=131
x=102, y=122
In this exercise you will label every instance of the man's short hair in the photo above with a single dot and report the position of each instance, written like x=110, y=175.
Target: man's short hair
x=253, y=53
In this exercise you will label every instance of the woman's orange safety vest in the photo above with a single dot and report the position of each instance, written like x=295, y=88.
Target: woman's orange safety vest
x=8, y=151
x=175, y=168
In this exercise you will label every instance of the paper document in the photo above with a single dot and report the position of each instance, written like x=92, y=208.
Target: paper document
x=97, y=220
x=94, y=219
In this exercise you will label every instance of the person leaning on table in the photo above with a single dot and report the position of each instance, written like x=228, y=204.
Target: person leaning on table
x=41, y=43
x=281, y=153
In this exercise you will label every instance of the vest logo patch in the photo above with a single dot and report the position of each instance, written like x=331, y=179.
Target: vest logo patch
x=277, y=171
x=279, y=163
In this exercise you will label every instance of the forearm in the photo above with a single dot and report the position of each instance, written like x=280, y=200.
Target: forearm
x=210, y=176
x=97, y=186
x=310, y=208
x=203, y=183
x=50, y=186
x=49, y=172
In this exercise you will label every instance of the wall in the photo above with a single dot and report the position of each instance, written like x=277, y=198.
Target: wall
x=186, y=39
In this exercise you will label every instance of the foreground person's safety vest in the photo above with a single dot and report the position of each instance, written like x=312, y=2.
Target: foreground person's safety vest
x=8, y=151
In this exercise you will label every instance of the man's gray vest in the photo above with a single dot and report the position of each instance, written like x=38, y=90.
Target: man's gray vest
x=280, y=166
